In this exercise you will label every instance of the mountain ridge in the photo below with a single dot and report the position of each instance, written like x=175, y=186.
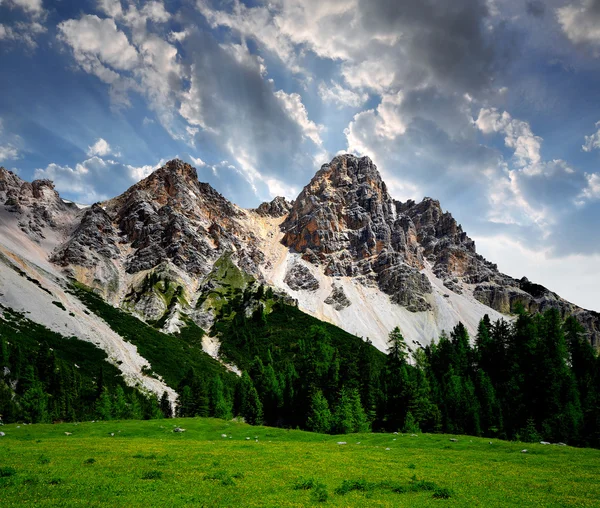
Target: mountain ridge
x=344, y=249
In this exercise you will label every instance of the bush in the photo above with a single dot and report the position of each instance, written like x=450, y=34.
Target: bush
x=320, y=494
x=152, y=475
x=5, y=472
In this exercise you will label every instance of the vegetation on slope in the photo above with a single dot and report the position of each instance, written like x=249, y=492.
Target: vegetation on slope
x=45, y=376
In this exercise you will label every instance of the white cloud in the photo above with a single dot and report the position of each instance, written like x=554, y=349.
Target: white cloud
x=22, y=32
x=341, y=96
x=518, y=134
x=581, y=23
x=292, y=104
x=591, y=190
x=83, y=182
x=97, y=41
x=102, y=149
x=197, y=161
x=33, y=7
x=592, y=142
x=8, y=152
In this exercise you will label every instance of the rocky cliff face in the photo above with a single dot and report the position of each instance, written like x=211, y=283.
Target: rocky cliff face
x=345, y=220
x=36, y=205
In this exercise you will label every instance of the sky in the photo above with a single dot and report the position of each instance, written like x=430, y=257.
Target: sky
x=492, y=107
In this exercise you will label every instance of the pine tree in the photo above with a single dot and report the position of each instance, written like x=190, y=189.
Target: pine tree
x=221, y=407
x=185, y=403
x=135, y=408
x=165, y=406
x=104, y=405
x=35, y=404
x=251, y=407
x=119, y=408
x=320, y=418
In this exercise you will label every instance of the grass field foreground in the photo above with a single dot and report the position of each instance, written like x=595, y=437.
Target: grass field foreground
x=145, y=463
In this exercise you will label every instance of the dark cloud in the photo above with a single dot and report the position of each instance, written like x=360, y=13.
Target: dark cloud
x=535, y=8
x=450, y=42
x=238, y=110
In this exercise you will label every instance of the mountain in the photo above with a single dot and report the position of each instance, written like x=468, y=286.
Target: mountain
x=175, y=253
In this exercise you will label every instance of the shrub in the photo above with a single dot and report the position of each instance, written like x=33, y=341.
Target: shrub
x=442, y=493
x=5, y=472
x=319, y=493
x=304, y=484
x=152, y=475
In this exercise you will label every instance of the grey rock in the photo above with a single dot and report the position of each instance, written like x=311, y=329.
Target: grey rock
x=338, y=298
x=345, y=220
x=299, y=278
x=276, y=208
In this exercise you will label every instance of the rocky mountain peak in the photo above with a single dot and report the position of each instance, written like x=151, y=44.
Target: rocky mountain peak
x=346, y=220
x=278, y=207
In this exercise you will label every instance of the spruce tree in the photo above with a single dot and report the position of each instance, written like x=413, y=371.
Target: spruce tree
x=250, y=405
x=119, y=408
x=320, y=418
x=104, y=405
x=165, y=406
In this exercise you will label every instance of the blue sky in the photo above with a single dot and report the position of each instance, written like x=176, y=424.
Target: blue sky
x=491, y=106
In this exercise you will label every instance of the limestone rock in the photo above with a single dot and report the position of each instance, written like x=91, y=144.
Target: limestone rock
x=346, y=221
x=299, y=278
x=338, y=298
x=279, y=207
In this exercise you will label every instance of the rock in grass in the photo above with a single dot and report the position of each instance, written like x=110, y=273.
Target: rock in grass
x=561, y=444
x=2, y=434
x=523, y=451
x=341, y=442
x=454, y=440
x=223, y=435
x=545, y=442
x=178, y=429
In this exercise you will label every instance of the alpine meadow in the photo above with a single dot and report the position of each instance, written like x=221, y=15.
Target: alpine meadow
x=228, y=276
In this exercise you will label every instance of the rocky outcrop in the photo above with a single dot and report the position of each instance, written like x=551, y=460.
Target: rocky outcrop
x=299, y=278
x=346, y=221
x=279, y=207
x=338, y=299
x=37, y=205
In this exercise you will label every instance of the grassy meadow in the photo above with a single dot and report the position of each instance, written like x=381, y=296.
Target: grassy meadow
x=145, y=463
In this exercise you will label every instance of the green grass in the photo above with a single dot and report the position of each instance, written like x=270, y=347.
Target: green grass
x=146, y=464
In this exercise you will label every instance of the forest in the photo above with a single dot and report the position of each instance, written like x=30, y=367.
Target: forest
x=535, y=378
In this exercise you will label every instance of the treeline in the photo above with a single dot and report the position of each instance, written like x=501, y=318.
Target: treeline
x=537, y=378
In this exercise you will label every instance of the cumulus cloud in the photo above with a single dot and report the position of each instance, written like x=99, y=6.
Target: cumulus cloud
x=22, y=32
x=580, y=22
x=33, y=7
x=8, y=152
x=94, y=179
x=293, y=106
x=96, y=41
x=101, y=148
x=592, y=142
x=592, y=189
x=340, y=96
x=518, y=135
